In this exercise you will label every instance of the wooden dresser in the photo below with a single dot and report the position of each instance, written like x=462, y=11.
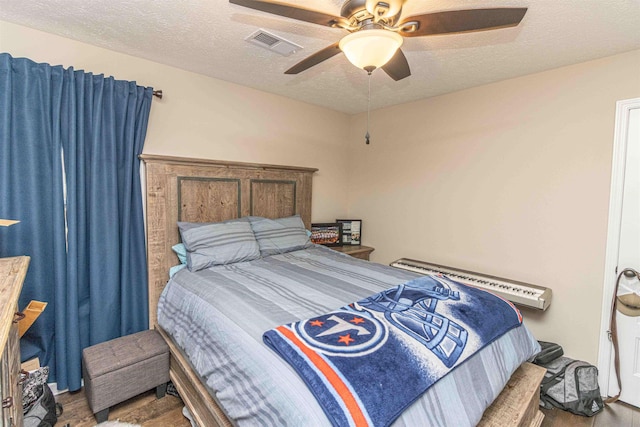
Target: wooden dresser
x=12, y=273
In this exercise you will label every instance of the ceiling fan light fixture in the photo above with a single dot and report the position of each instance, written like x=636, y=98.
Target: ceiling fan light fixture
x=370, y=48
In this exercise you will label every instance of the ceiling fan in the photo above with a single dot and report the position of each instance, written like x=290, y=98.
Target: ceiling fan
x=377, y=29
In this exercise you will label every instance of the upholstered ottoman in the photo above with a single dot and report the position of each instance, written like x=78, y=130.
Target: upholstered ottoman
x=120, y=369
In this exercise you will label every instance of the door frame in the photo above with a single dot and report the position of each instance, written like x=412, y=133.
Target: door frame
x=621, y=132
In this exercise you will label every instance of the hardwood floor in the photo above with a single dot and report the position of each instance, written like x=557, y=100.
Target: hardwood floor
x=144, y=409
x=616, y=415
x=148, y=411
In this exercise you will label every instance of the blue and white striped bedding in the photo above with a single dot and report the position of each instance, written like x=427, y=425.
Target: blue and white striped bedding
x=218, y=315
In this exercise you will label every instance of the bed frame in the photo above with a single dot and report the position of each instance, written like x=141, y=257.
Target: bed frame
x=197, y=190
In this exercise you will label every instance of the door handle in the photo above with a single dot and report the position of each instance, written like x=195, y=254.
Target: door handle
x=630, y=272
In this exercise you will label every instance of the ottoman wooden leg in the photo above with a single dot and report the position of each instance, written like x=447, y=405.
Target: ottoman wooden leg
x=161, y=390
x=102, y=416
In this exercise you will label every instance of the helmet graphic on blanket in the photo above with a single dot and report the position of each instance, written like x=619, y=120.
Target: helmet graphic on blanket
x=412, y=309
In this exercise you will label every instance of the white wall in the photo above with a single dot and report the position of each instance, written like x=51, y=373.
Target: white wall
x=208, y=118
x=510, y=179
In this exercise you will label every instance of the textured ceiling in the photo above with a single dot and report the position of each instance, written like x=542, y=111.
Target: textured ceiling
x=207, y=37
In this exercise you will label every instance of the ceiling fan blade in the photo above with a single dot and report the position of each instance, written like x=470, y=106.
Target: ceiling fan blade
x=315, y=59
x=461, y=21
x=397, y=68
x=293, y=12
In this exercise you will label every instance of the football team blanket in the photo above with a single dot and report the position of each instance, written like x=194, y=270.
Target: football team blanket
x=368, y=361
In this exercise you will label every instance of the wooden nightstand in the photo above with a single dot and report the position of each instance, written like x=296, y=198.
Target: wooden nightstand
x=358, y=251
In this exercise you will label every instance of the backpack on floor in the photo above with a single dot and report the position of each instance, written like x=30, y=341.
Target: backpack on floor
x=571, y=385
x=38, y=403
x=44, y=411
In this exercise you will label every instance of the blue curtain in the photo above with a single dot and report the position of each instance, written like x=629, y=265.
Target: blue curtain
x=31, y=188
x=95, y=281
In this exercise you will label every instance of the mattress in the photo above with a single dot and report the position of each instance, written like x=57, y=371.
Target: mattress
x=217, y=317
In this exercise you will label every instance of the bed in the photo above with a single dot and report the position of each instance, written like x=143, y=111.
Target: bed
x=193, y=190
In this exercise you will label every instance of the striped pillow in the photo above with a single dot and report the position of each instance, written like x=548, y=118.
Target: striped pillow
x=218, y=243
x=277, y=236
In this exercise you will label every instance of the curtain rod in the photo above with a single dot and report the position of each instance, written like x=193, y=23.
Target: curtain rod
x=158, y=93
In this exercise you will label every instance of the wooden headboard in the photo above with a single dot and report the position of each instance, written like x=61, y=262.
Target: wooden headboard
x=197, y=190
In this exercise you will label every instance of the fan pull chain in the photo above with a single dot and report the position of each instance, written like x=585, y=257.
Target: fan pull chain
x=366, y=137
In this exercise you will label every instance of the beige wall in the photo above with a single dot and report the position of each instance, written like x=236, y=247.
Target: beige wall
x=209, y=118
x=511, y=179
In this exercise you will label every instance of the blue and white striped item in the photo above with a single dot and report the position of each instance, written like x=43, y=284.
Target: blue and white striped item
x=278, y=236
x=217, y=317
x=219, y=243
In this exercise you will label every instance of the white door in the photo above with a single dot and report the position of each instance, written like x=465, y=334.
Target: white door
x=623, y=251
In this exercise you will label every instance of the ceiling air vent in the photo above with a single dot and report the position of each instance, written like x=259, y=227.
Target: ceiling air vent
x=273, y=43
